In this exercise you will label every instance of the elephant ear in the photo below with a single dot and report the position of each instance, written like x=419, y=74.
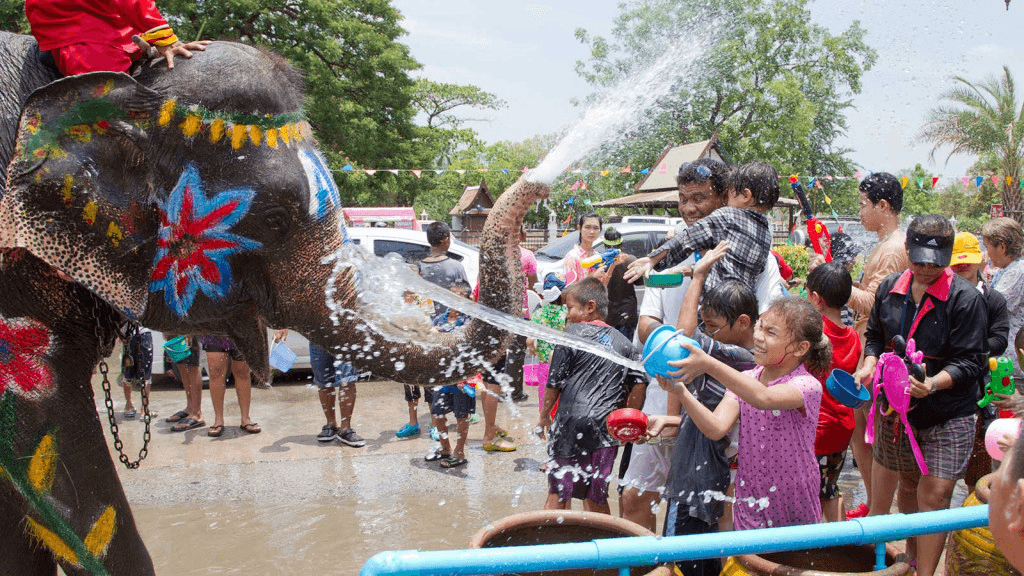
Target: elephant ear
x=79, y=185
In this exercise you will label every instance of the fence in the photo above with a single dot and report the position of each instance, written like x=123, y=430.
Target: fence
x=623, y=553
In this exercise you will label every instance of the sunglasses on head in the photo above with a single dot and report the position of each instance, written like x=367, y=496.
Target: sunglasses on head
x=702, y=171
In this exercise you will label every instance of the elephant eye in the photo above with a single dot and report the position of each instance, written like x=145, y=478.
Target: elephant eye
x=277, y=221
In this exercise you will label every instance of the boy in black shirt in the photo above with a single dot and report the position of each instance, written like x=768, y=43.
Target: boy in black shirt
x=587, y=388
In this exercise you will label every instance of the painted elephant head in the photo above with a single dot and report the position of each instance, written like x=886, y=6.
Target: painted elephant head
x=194, y=200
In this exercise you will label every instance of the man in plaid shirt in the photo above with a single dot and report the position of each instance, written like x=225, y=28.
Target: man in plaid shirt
x=743, y=223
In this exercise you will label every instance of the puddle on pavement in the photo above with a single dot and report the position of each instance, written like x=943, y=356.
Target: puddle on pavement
x=310, y=538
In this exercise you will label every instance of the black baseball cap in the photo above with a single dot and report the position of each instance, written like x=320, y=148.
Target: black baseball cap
x=928, y=249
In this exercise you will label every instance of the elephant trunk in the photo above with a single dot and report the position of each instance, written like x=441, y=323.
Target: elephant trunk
x=415, y=353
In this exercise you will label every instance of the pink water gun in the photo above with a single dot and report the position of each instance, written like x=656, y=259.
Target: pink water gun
x=892, y=386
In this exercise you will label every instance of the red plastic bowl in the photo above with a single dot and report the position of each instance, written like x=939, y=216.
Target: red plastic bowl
x=627, y=424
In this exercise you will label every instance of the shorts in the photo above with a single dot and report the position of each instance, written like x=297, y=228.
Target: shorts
x=830, y=466
x=86, y=57
x=137, y=358
x=583, y=477
x=946, y=447
x=328, y=372
x=677, y=524
x=449, y=399
x=219, y=344
x=193, y=352
x=648, y=469
x=412, y=393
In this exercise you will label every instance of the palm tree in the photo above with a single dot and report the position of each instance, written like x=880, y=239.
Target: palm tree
x=983, y=120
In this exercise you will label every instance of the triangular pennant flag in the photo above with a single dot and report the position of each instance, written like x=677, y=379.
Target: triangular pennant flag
x=586, y=201
x=1009, y=181
x=966, y=180
x=995, y=180
x=481, y=169
x=827, y=199
x=571, y=200
x=370, y=172
x=817, y=184
x=663, y=168
x=525, y=169
x=347, y=168
x=438, y=172
x=810, y=180
x=935, y=180
x=461, y=171
x=604, y=172
x=627, y=169
x=904, y=181
x=829, y=178
x=575, y=185
x=1022, y=183
x=978, y=181
x=645, y=171
x=417, y=173
x=858, y=175
x=504, y=170
x=920, y=181
x=393, y=171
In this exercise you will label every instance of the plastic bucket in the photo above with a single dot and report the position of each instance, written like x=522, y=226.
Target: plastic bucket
x=281, y=357
x=663, y=345
x=845, y=390
x=177, y=349
x=536, y=374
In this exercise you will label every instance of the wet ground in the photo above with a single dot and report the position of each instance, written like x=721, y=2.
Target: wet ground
x=280, y=502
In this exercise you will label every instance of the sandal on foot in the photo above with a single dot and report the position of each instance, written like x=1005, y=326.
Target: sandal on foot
x=187, y=424
x=251, y=428
x=452, y=462
x=500, y=445
x=215, y=431
x=180, y=415
x=436, y=455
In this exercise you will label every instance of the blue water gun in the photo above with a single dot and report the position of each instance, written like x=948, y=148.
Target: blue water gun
x=605, y=259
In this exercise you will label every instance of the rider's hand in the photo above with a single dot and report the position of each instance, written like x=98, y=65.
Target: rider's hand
x=169, y=52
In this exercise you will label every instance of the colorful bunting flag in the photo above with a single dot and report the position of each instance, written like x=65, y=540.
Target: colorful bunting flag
x=978, y=181
x=371, y=172
x=935, y=180
x=995, y=180
x=628, y=169
x=645, y=171
x=904, y=181
x=920, y=181
x=966, y=180
x=347, y=168
x=417, y=173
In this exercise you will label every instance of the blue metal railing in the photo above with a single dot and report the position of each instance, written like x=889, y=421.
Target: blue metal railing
x=623, y=553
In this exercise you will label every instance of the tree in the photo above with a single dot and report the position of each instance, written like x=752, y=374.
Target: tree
x=918, y=193
x=774, y=86
x=12, y=17
x=984, y=120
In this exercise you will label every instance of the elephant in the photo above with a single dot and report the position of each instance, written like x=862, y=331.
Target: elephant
x=186, y=200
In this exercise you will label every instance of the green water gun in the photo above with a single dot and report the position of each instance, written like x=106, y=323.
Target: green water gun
x=1000, y=374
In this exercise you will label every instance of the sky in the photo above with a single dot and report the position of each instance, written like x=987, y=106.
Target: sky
x=525, y=53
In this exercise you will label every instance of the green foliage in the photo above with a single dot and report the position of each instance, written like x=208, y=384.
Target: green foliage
x=983, y=119
x=797, y=257
x=918, y=196
x=12, y=17
x=774, y=86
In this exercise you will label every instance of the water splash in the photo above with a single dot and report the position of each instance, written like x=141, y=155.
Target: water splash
x=623, y=105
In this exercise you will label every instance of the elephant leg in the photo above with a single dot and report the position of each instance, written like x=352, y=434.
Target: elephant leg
x=18, y=553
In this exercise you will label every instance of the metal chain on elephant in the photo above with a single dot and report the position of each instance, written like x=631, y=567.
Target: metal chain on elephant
x=118, y=445
x=129, y=330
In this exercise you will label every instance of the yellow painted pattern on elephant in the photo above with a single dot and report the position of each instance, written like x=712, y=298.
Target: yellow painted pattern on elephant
x=89, y=212
x=191, y=126
x=216, y=130
x=166, y=112
x=99, y=538
x=115, y=235
x=43, y=465
x=52, y=541
x=65, y=190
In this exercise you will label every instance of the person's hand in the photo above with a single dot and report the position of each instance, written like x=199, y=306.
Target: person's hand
x=184, y=49
x=703, y=266
x=638, y=269
x=866, y=373
x=531, y=346
x=280, y=335
x=694, y=365
x=541, y=429
x=1006, y=402
x=919, y=389
x=815, y=261
x=655, y=424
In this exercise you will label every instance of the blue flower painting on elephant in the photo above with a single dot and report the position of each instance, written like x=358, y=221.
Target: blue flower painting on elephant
x=195, y=242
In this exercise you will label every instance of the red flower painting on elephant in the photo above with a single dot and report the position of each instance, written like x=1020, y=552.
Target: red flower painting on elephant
x=194, y=242
x=24, y=345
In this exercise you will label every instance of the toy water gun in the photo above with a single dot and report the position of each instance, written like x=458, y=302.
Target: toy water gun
x=892, y=387
x=821, y=240
x=605, y=259
x=1000, y=380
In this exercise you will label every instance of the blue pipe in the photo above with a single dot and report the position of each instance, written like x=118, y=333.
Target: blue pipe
x=617, y=553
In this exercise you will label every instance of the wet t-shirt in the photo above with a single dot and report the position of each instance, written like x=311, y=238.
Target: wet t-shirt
x=445, y=273
x=591, y=388
x=700, y=470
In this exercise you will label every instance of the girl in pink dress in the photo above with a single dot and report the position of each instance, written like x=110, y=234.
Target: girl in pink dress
x=776, y=403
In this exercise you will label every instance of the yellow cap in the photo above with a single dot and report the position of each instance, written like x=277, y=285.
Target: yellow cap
x=966, y=249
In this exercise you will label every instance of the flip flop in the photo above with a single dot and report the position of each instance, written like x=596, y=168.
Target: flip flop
x=452, y=462
x=251, y=428
x=187, y=424
x=180, y=415
x=215, y=431
x=500, y=445
x=436, y=455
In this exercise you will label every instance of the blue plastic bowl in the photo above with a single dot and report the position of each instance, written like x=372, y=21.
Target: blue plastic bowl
x=662, y=346
x=842, y=387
